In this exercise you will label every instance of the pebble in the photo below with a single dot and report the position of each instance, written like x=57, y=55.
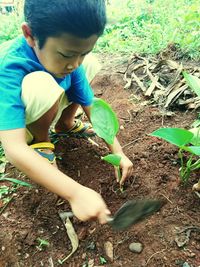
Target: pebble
x=136, y=247
x=109, y=251
x=91, y=263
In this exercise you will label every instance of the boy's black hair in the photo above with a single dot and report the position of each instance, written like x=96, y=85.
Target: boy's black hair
x=51, y=18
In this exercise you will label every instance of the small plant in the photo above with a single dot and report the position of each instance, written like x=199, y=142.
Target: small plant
x=182, y=138
x=102, y=260
x=6, y=193
x=42, y=244
x=106, y=126
x=186, y=140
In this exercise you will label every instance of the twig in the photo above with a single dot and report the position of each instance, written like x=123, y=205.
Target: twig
x=132, y=142
x=154, y=255
x=92, y=142
x=167, y=198
x=51, y=262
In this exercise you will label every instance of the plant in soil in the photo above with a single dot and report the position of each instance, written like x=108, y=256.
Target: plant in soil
x=187, y=140
x=182, y=138
x=106, y=126
x=42, y=244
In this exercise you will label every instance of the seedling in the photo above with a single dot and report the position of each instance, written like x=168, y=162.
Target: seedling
x=182, y=138
x=106, y=126
x=5, y=191
x=104, y=120
x=115, y=160
x=42, y=244
x=188, y=141
x=102, y=260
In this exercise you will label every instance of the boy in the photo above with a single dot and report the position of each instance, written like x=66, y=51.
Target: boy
x=42, y=80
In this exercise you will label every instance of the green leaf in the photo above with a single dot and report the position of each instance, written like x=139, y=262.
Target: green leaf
x=104, y=120
x=42, y=242
x=175, y=136
x=102, y=260
x=113, y=159
x=196, y=136
x=16, y=181
x=193, y=149
x=193, y=82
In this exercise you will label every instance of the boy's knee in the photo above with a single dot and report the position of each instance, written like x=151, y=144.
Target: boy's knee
x=91, y=66
x=40, y=92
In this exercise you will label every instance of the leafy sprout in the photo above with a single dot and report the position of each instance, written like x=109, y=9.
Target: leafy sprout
x=106, y=126
x=104, y=120
x=42, y=243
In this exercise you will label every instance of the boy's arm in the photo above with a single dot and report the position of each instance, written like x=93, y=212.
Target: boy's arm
x=85, y=202
x=125, y=164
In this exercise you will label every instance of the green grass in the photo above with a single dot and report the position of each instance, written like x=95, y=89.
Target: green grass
x=145, y=26
x=10, y=27
x=149, y=26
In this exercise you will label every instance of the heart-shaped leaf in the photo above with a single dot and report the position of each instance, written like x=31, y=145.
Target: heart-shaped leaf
x=175, y=136
x=104, y=120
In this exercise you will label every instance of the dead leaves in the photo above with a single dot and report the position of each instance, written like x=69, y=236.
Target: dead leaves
x=162, y=80
x=71, y=234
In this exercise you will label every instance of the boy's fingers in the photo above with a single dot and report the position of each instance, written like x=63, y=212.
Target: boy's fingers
x=124, y=176
x=116, y=174
x=103, y=216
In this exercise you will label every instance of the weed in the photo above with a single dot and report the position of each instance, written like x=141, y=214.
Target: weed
x=42, y=244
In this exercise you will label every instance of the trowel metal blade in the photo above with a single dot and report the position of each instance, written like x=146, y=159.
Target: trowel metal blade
x=134, y=211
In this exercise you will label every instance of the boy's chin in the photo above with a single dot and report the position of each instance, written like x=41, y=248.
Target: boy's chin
x=61, y=75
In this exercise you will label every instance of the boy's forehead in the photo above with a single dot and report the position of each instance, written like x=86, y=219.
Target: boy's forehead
x=68, y=42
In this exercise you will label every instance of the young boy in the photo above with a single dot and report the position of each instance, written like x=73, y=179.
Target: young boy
x=42, y=81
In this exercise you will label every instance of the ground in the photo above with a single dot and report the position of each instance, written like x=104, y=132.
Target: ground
x=33, y=213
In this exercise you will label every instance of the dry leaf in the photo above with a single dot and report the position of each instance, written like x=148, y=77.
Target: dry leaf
x=71, y=234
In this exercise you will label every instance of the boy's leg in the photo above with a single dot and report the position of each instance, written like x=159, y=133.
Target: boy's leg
x=66, y=120
x=41, y=96
x=45, y=100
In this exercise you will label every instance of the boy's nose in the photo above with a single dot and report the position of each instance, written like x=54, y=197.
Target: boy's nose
x=73, y=65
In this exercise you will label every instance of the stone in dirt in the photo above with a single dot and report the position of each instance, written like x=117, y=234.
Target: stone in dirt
x=108, y=246
x=136, y=247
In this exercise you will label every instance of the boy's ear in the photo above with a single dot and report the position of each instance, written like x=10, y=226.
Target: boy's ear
x=28, y=35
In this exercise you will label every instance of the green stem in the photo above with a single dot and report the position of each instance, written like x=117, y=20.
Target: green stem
x=120, y=177
x=195, y=165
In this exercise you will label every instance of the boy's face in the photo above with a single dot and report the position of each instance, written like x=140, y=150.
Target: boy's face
x=62, y=55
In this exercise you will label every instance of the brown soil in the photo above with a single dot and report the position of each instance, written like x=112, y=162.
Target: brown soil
x=33, y=212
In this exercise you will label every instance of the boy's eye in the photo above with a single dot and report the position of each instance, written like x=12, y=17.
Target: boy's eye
x=65, y=56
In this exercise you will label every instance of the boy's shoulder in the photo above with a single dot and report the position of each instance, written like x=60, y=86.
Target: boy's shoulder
x=17, y=54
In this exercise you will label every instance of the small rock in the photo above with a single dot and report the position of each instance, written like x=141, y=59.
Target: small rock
x=84, y=256
x=136, y=247
x=91, y=263
x=26, y=256
x=108, y=246
x=121, y=127
x=3, y=248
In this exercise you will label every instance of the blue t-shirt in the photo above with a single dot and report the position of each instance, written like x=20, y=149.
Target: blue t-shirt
x=17, y=59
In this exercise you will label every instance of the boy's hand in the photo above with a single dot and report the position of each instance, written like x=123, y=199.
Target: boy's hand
x=87, y=204
x=126, y=167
